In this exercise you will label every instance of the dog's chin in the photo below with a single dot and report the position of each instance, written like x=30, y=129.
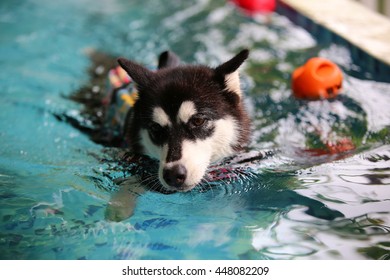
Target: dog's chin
x=194, y=175
x=184, y=188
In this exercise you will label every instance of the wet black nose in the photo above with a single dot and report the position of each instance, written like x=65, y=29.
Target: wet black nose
x=175, y=176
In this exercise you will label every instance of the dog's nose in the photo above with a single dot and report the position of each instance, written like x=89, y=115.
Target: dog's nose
x=175, y=176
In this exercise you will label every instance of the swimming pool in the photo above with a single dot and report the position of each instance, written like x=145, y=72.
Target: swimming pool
x=303, y=203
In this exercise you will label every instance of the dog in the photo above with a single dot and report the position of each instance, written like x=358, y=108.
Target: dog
x=186, y=117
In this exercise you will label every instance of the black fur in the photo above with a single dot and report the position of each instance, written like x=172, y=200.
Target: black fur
x=168, y=59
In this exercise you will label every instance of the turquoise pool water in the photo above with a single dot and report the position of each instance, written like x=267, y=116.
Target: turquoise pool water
x=303, y=203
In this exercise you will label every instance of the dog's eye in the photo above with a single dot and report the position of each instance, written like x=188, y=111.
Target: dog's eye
x=155, y=128
x=198, y=120
x=157, y=133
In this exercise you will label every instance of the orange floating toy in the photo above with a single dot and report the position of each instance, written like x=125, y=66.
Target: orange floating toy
x=319, y=78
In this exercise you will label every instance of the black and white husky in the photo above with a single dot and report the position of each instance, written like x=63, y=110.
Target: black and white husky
x=186, y=116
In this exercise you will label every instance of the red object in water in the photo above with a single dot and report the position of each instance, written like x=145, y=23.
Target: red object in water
x=319, y=78
x=256, y=6
x=341, y=146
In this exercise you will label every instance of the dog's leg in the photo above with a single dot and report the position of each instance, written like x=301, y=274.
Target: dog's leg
x=122, y=203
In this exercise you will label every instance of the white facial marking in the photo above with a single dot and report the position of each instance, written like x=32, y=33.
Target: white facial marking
x=160, y=117
x=224, y=138
x=186, y=111
x=195, y=164
x=233, y=82
x=197, y=155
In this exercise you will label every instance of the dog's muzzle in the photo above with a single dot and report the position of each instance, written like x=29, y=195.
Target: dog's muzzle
x=175, y=177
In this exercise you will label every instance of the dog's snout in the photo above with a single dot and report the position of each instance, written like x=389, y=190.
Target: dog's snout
x=175, y=176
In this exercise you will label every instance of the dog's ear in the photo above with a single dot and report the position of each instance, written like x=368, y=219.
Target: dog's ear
x=168, y=59
x=228, y=71
x=140, y=75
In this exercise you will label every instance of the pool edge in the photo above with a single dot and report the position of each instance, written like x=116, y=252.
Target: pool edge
x=364, y=32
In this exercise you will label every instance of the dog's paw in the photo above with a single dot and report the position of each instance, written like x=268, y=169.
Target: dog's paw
x=122, y=203
x=117, y=211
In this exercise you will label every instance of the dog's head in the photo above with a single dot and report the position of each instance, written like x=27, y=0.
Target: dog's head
x=187, y=117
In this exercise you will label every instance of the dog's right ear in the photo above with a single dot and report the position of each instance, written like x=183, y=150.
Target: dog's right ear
x=232, y=65
x=228, y=72
x=139, y=74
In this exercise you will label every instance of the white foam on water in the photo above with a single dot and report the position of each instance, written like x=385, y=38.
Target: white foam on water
x=374, y=98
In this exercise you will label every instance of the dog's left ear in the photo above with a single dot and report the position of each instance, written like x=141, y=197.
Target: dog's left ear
x=228, y=71
x=137, y=72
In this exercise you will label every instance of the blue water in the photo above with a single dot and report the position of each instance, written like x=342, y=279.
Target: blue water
x=55, y=182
